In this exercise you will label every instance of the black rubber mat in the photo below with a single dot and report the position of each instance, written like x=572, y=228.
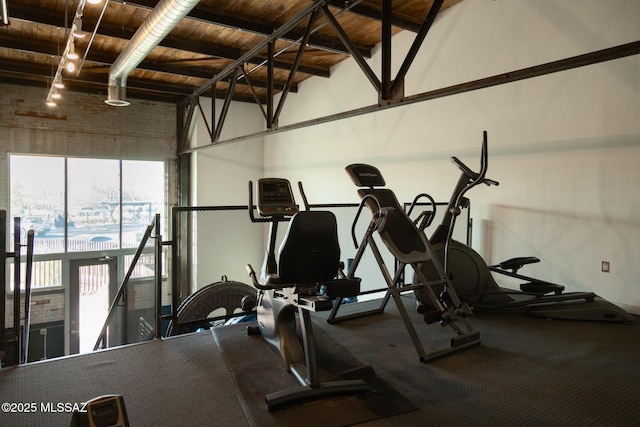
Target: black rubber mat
x=257, y=370
x=527, y=372
x=179, y=381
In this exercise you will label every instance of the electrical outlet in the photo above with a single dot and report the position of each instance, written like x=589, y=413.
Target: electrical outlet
x=605, y=266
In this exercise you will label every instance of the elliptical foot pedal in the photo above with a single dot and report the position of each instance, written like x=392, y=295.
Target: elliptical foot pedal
x=541, y=288
x=515, y=264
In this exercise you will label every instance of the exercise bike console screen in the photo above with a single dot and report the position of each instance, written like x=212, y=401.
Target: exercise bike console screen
x=275, y=197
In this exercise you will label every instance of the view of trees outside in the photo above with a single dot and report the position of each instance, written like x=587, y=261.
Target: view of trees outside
x=93, y=200
x=97, y=193
x=142, y=181
x=37, y=192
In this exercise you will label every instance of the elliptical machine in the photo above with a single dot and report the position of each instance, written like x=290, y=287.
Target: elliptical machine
x=308, y=261
x=471, y=276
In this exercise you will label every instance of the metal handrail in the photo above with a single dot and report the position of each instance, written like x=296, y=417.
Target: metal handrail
x=27, y=294
x=20, y=338
x=143, y=242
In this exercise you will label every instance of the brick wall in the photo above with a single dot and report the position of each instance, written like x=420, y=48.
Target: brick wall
x=88, y=116
x=83, y=126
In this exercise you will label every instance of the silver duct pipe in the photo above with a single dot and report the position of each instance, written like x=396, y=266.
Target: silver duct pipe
x=158, y=24
x=4, y=12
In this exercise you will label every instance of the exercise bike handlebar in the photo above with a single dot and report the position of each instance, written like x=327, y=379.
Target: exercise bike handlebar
x=254, y=279
x=304, y=196
x=252, y=206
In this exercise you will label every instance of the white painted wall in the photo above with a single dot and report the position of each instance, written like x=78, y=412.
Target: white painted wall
x=564, y=146
x=225, y=243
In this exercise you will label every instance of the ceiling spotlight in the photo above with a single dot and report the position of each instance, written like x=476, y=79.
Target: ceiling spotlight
x=71, y=54
x=67, y=61
x=77, y=28
x=57, y=82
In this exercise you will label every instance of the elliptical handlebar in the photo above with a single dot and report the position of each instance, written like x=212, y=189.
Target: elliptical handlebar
x=476, y=178
x=465, y=169
x=473, y=179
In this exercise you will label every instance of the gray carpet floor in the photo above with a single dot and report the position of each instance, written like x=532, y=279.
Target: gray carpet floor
x=527, y=371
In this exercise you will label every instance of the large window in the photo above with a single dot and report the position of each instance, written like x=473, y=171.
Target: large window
x=78, y=204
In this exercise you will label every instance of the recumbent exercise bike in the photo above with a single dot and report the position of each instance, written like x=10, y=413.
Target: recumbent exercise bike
x=308, y=261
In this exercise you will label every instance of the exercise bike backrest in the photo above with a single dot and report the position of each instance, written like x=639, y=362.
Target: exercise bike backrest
x=399, y=233
x=309, y=252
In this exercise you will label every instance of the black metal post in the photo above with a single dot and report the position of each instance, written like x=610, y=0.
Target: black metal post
x=3, y=275
x=27, y=296
x=387, y=14
x=175, y=268
x=415, y=47
x=270, y=92
x=158, y=276
x=16, y=291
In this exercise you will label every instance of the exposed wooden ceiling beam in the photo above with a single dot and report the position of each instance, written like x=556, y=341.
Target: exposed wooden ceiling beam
x=216, y=51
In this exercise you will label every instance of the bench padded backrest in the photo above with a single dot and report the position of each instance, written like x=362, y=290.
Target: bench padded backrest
x=401, y=236
x=310, y=252
x=364, y=175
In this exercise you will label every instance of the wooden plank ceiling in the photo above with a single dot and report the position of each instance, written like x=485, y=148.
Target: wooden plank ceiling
x=215, y=34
